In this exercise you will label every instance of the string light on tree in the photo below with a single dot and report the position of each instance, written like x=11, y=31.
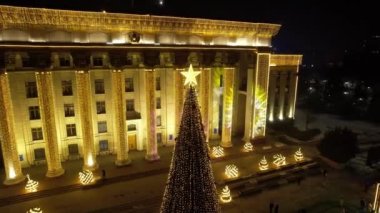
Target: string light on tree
x=217, y=151
x=35, y=210
x=263, y=164
x=231, y=171
x=190, y=186
x=225, y=196
x=248, y=147
x=279, y=160
x=298, y=156
x=86, y=177
x=31, y=185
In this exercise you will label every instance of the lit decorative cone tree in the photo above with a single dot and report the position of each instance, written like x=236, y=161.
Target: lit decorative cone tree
x=298, y=156
x=225, y=197
x=248, y=147
x=263, y=164
x=31, y=185
x=190, y=187
x=231, y=171
x=35, y=210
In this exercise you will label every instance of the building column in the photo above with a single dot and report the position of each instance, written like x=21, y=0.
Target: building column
x=179, y=98
x=228, y=97
x=49, y=127
x=272, y=94
x=204, y=100
x=12, y=164
x=261, y=95
x=84, y=95
x=292, y=94
x=281, y=100
x=118, y=99
x=249, y=105
x=216, y=74
x=151, y=143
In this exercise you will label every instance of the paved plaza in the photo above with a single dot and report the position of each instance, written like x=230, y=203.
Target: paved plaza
x=139, y=187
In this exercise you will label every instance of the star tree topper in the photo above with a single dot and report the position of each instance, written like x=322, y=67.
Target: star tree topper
x=190, y=76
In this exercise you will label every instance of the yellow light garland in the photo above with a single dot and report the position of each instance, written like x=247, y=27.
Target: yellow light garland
x=231, y=171
x=225, y=197
x=86, y=177
x=31, y=185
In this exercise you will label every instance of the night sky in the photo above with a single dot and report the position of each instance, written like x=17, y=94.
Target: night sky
x=321, y=30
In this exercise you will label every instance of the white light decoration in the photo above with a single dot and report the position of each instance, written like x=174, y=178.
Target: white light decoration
x=298, y=156
x=86, y=177
x=279, y=160
x=217, y=151
x=225, y=197
x=263, y=164
x=231, y=171
x=248, y=147
x=190, y=76
x=35, y=210
x=31, y=185
x=376, y=206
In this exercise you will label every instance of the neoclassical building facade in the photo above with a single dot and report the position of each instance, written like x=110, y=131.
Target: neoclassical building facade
x=75, y=85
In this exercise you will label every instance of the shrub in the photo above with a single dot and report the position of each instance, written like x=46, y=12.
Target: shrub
x=339, y=145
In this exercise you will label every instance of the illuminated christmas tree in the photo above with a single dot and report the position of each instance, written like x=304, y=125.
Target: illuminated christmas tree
x=190, y=187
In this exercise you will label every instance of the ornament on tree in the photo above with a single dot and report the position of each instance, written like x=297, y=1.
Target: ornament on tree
x=231, y=171
x=225, y=197
x=248, y=147
x=298, y=156
x=190, y=186
x=279, y=160
x=263, y=164
x=31, y=185
x=86, y=177
x=217, y=151
x=35, y=210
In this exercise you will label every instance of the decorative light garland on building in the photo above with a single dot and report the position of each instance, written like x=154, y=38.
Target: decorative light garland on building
x=31, y=185
x=86, y=177
x=263, y=164
x=231, y=171
x=298, y=156
x=248, y=147
x=225, y=197
x=279, y=160
x=217, y=151
x=35, y=210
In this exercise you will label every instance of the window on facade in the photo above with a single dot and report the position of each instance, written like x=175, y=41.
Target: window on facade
x=37, y=134
x=103, y=145
x=158, y=120
x=69, y=110
x=131, y=127
x=158, y=103
x=98, y=61
x=101, y=107
x=102, y=127
x=130, y=105
x=39, y=154
x=64, y=61
x=129, y=85
x=73, y=149
x=34, y=113
x=99, y=86
x=158, y=83
x=71, y=130
x=31, y=89
x=67, y=88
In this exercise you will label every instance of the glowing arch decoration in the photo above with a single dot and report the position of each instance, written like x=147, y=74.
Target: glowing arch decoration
x=298, y=156
x=263, y=164
x=31, y=185
x=86, y=177
x=279, y=160
x=225, y=196
x=248, y=147
x=217, y=151
x=231, y=171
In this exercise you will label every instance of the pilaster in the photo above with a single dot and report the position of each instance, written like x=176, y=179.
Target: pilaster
x=228, y=97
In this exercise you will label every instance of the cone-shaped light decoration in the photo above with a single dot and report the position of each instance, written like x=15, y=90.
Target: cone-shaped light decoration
x=248, y=147
x=231, y=171
x=35, y=210
x=31, y=185
x=263, y=164
x=298, y=156
x=225, y=197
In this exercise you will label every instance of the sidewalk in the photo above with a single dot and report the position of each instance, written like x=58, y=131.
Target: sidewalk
x=138, y=168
